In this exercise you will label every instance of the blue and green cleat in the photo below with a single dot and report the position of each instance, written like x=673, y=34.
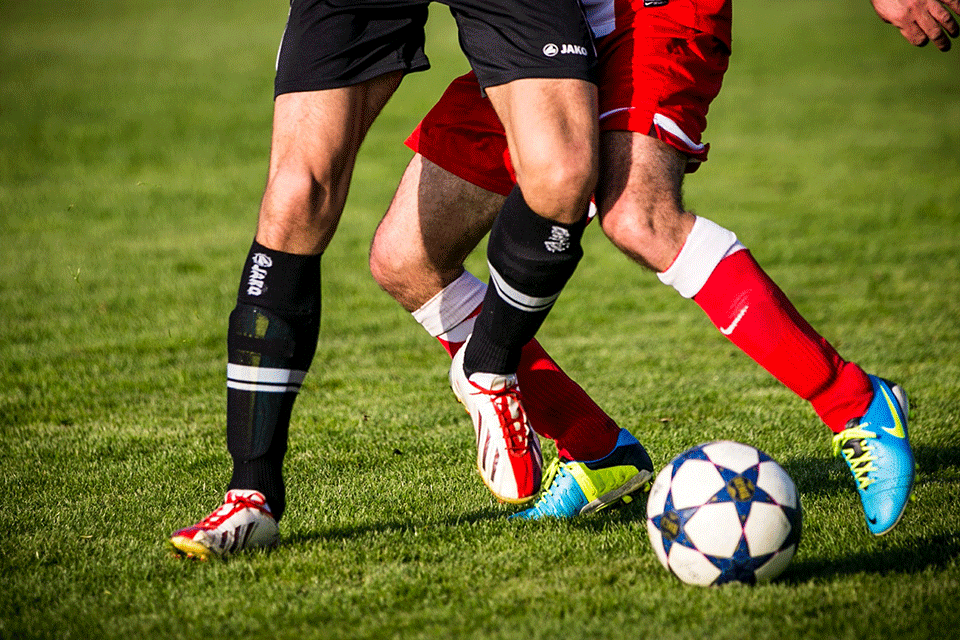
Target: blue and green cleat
x=575, y=488
x=876, y=448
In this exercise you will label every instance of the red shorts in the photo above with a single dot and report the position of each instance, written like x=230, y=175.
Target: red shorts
x=659, y=72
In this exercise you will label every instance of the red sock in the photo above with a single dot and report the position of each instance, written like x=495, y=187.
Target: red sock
x=751, y=310
x=561, y=410
x=558, y=408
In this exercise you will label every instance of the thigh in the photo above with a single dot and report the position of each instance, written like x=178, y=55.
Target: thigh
x=329, y=44
x=463, y=134
x=551, y=128
x=316, y=136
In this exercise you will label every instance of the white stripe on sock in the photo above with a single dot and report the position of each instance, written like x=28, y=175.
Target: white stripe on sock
x=271, y=380
x=518, y=299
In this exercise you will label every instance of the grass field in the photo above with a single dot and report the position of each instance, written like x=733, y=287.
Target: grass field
x=133, y=145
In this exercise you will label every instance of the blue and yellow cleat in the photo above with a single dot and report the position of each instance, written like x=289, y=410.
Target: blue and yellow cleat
x=576, y=488
x=877, y=450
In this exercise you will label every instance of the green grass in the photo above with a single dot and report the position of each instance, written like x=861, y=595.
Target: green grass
x=133, y=145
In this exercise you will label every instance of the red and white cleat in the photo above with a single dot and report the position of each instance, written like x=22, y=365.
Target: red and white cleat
x=508, y=450
x=242, y=522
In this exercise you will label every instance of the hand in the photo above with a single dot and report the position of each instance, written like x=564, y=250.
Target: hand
x=921, y=21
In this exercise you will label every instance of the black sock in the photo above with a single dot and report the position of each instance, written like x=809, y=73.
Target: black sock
x=271, y=342
x=530, y=258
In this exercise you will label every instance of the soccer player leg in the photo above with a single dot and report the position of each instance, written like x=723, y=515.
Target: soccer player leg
x=869, y=415
x=435, y=220
x=274, y=327
x=537, y=68
x=271, y=343
x=705, y=262
x=327, y=97
x=552, y=133
x=714, y=269
x=534, y=245
x=530, y=260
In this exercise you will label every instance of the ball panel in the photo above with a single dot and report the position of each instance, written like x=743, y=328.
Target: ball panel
x=715, y=529
x=694, y=483
x=766, y=529
x=775, y=565
x=777, y=484
x=732, y=455
x=656, y=541
x=691, y=566
x=659, y=491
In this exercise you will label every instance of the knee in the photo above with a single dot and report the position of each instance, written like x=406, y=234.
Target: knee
x=402, y=272
x=558, y=183
x=299, y=211
x=386, y=266
x=649, y=232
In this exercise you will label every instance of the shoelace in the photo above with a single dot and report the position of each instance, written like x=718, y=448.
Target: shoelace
x=852, y=443
x=514, y=428
x=551, y=478
x=214, y=520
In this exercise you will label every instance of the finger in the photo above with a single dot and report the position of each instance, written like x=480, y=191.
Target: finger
x=953, y=4
x=932, y=28
x=945, y=18
x=914, y=34
x=940, y=40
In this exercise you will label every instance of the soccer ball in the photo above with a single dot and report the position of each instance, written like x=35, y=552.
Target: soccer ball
x=724, y=512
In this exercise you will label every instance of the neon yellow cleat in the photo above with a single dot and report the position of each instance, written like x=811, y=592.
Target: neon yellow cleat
x=575, y=488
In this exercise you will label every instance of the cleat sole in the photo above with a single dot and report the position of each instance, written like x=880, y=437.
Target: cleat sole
x=185, y=547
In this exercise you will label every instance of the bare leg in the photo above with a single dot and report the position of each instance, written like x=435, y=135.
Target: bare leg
x=316, y=136
x=435, y=220
x=534, y=245
x=274, y=326
x=552, y=133
x=639, y=198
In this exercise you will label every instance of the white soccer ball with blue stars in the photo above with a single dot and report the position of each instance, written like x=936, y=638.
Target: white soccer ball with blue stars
x=724, y=512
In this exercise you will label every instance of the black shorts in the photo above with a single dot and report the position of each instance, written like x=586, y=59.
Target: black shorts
x=336, y=43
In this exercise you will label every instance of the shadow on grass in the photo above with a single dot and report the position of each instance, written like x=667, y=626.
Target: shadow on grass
x=826, y=476
x=629, y=515
x=937, y=552
x=407, y=526
x=814, y=476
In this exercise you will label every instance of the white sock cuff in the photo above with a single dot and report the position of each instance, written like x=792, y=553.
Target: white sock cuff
x=451, y=306
x=707, y=244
